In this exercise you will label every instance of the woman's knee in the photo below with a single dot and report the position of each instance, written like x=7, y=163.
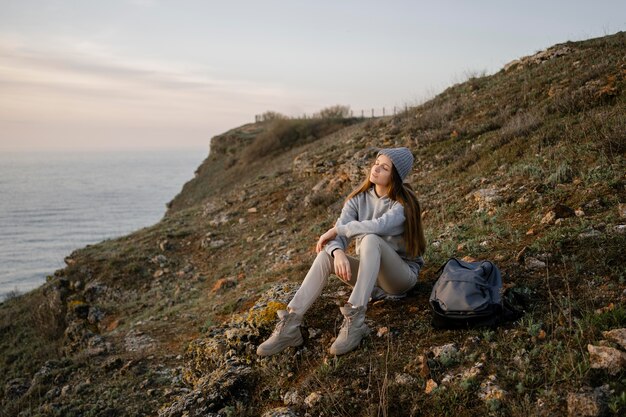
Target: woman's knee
x=370, y=240
x=323, y=258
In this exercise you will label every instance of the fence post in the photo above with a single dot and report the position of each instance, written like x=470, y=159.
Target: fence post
x=362, y=115
x=372, y=112
x=383, y=112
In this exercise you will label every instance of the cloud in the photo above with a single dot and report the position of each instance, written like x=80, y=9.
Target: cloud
x=38, y=84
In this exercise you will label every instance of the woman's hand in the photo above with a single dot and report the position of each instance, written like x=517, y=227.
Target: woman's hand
x=342, y=265
x=325, y=238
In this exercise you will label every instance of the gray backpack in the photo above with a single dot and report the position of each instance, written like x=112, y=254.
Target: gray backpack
x=467, y=294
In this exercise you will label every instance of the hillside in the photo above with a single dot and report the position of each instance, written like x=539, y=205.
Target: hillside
x=525, y=167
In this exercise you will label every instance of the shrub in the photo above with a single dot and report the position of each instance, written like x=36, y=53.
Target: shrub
x=272, y=115
x=334, y=112
x=282, y=135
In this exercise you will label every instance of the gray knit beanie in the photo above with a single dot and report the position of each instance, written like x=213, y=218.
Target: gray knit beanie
x=402, y=159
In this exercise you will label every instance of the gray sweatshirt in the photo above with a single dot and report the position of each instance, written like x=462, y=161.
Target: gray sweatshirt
x=366, y=213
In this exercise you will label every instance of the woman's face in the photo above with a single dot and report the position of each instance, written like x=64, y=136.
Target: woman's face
x=380, y=174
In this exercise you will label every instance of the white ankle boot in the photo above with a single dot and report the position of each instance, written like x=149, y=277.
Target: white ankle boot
x=352, y=330
x=286, y=333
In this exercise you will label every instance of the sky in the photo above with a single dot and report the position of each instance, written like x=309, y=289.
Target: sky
x=166, y=74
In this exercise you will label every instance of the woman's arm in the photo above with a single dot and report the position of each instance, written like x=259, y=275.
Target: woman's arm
x=349, y=213
x=389, y=224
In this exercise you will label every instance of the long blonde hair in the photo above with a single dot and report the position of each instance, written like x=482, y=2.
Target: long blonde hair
x=402, y=193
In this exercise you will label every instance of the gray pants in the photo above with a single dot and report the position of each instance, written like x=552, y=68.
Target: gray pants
x=378, y=264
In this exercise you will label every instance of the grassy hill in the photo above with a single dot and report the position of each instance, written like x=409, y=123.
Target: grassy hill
x=525, y=167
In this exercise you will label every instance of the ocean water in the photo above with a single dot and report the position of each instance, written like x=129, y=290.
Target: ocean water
x=52, y=203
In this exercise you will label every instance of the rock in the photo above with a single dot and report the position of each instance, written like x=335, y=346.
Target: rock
x=160, y=260
x=79, y=309
x=76, y=336
x=430, y=386
x=607, y=358
x=211, y=392
x=511, y=65
x=219, y=220
x=52, y=393
x=112, y=325
x=112, y=363
x=579, y=212
x=15, y=388
x=490, y=391
x=534, y=264
x=562, y=211
x=616, y=335
x=96, y=345
x=446, y=354
x=252, y=210
x=94, y=290
x=216, y=244
x=164, y=245
x=488, y=199
x=136, y=341
x=549, y=218
x=320, y=185
x=222, y=284
x=209, y=208
x=588, y=403
x=449, y=349
x=95, y=315
x=312, y=399
x=313, y=333
x=291, y=398
x=280, y=412
x=423, y=367
x=265, y=316
x=590, y=234
x=620, y=229
x=382, y=331
x=404, y=379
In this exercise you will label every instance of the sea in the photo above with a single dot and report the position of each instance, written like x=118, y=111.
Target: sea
x=54, y=202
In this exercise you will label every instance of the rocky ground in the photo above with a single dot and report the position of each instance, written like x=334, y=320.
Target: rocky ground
x=525, y=167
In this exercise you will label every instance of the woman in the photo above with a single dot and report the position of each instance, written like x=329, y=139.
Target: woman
x=383, y=215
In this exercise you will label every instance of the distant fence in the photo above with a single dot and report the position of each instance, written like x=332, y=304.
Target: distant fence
x=369, y=113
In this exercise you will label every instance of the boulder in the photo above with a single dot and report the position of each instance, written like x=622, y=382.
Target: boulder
x=604, y=357
x=488, y=199
x=588, y=403
x=534, y=264
x=617, y=336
